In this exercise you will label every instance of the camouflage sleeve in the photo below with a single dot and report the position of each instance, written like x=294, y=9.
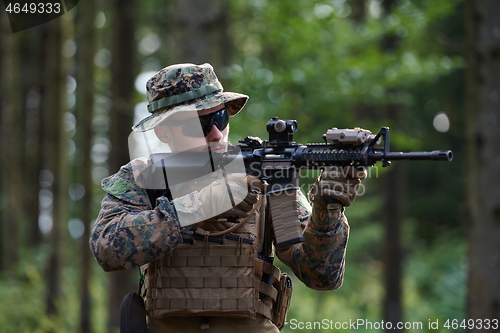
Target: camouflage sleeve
x=128, y=232
x=318, y=261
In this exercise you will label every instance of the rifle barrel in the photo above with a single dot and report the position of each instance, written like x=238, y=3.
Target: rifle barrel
x=436, y=155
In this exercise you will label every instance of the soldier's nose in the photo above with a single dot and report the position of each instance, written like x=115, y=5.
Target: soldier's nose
x=214, y=135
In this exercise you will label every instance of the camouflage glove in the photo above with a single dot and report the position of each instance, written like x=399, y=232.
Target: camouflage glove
x=217, y=199
x=244, y=207
x=340, y=183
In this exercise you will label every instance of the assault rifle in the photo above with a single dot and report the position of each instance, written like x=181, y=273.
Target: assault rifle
x=279, y=159
x=342, y=147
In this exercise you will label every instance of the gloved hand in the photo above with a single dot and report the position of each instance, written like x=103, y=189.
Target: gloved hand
x=215, y=199
x=244, y=207
x=341, y=183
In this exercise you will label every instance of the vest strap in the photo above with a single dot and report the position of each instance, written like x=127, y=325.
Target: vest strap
x=264, y=310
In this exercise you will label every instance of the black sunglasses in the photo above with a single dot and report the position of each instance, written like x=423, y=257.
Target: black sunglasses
x=190, y=127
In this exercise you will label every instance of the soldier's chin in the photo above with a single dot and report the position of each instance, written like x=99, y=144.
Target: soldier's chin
x=194, y=149
x=219, y=147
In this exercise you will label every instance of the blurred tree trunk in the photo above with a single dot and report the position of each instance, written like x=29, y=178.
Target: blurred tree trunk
x=54, y=156
x=123, y=74
x=20, y=142
x=85, y=39
x=201, y=33
x=358, y=10
x=483, y=155
x=28, y=81
x=31, y=87
x=393, y=207
x=19, y=158
x=9, y=159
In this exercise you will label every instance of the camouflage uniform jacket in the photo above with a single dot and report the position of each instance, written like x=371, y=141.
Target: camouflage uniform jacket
x=129, y=233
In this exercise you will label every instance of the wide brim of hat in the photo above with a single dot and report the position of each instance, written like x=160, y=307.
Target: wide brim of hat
x=234, y=101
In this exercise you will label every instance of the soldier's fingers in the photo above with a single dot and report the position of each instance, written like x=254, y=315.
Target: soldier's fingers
x=244, y=206
x=343, y=191
x=350, y=187
x=343, y=197
x=255, y=183
x=347, y=172
x=251, y=197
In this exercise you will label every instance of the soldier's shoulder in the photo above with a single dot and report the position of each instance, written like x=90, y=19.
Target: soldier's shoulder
x=126, y=183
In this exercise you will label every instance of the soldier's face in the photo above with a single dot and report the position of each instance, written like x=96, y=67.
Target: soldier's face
x=175, y=135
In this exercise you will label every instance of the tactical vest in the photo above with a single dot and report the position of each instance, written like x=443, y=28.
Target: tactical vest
x=219, y=273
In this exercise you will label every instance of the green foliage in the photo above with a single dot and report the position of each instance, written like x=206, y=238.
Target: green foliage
x=22, y=301
x=310, y=62
x=433, y=279
x=316, y=63
x=319, y=63
x=23, y=297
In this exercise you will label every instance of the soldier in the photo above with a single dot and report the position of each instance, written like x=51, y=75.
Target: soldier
x=208, y=268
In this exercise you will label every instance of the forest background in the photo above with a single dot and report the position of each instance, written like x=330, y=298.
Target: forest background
x=424, y=235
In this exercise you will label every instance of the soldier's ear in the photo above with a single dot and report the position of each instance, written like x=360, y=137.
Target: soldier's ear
x=163, y=133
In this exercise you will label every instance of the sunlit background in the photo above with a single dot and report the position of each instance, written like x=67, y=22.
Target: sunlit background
x=330, y=63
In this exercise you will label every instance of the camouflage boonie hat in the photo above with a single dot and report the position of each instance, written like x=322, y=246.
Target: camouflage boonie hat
x=186, y=87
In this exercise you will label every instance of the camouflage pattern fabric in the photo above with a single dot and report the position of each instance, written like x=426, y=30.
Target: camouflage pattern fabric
x=129, y=233
x=186, y=88
x=319, y=261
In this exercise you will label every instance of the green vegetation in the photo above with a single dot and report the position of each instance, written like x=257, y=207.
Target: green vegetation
x=332, y=63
